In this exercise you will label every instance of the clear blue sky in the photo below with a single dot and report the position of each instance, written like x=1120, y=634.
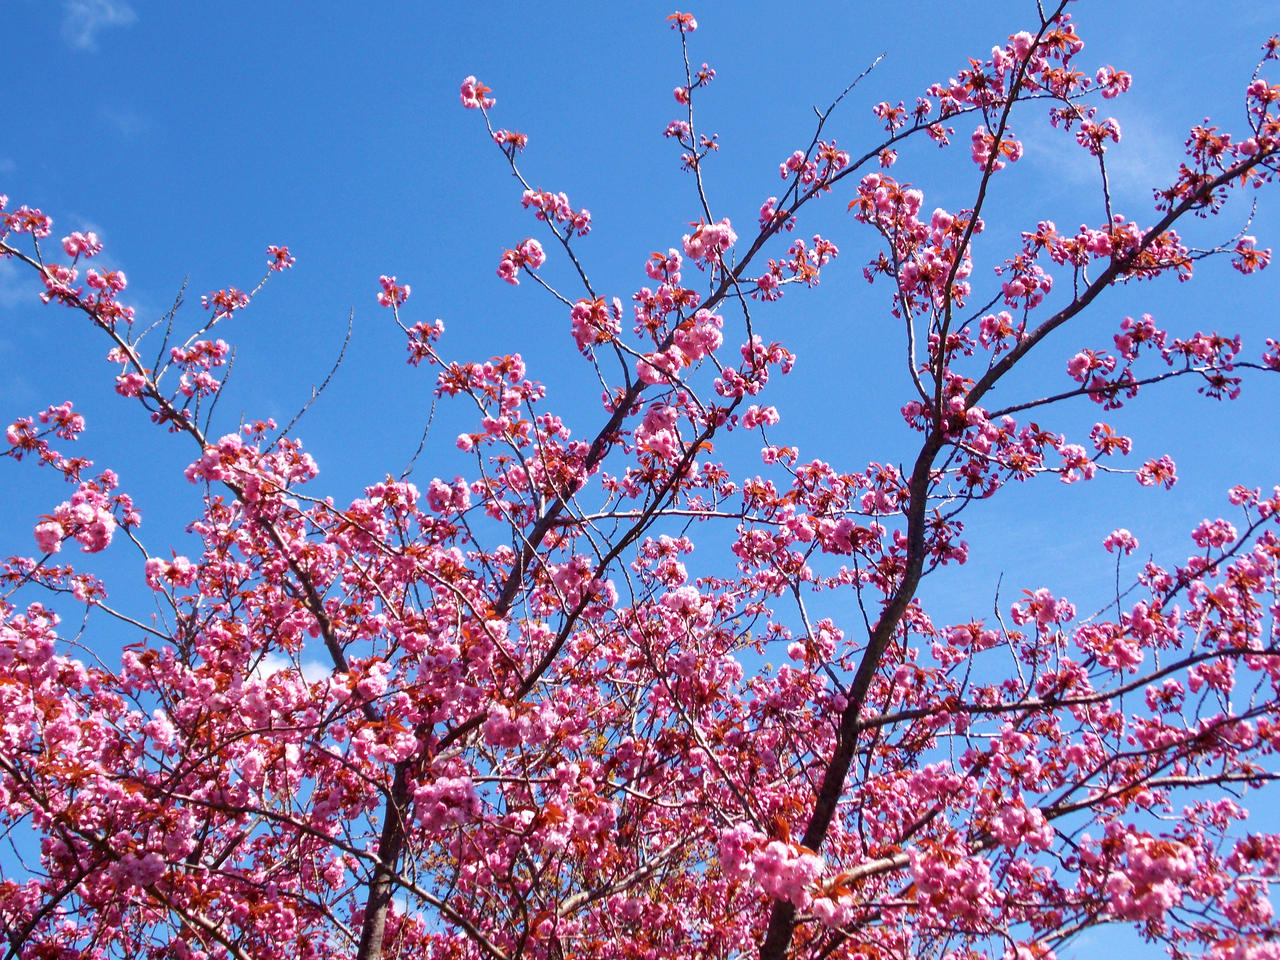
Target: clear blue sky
x=190, y=136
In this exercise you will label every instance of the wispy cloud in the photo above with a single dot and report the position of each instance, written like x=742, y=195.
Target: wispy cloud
x=83, y=19
x=14, y=288
x=85, y=225
x=125, y=122
x=1146, y=158
x=7, y=165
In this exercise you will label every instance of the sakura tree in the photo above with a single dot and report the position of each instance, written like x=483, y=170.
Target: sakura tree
x=547, y=725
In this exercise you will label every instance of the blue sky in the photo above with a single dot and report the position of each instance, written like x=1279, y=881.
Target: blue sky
x=190, y=136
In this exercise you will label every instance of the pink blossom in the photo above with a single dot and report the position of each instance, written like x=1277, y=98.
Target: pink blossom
x=1214, y=534
x=684, y=22
x=499, y=729
x=1122, y=540
x=512, y=141
x=1248, y=258
x=374, y=682
x=1021, y=43
x=131, y=384
x=531, y=250
x=756, y=416
x=49, y=534
x=475, y=95
x=1112, y=82
x=659, y=366
x=594, y=322
x=768, y=286
x=571, y=731
x=113, y=280
x=1076, y=463
x=58, y=280
x=392, y=293
x=81, y=244
x=699, y=337
x=279, y=258
x=1161, y=471
x=677, y=129
x=1043, y=609
x=180, y=572
x=86, y=517
x=1015, y=824
x=1093, y=136
x=664, y=269
x=226, y=301
x=28, y=220
x=709, y=241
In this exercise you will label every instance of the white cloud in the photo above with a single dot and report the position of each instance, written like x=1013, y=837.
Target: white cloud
x=312, y=670
x=82, y=19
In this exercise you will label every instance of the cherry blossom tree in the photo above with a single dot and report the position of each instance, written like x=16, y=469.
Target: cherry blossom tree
x=547, y=727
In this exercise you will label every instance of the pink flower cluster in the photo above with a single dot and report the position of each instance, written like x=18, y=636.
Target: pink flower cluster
x=1161, y=472
x=24, y=220
x=1248, y=258
x=818, y=167
x=86, y=517
x=226, y=302
x=684, y=22
x=1149, y=879
x=594, y=322
x=475, y=95
x=1214, y=534
x=528, y=254
x=82, y=244
x=1042, y=609
x=803, y=264
x=392, y=294
x=58, y=280
x=658, y=435
x=1122, y=540
x=113, y=280
x=985, y=149
x=770, y=215
x=1112, y=82
x=279, y=258
x=444, y=802
x=555, y=208
x=782, y=869
x=709, y=241
x=1014, y=824
x=956, y=888
x=445, y=497
x=203, y=354
x=693, y=339
x=1094, y=136
x=757, y=416
x=1028, y=285
x=196, y=359
x=260, y=475
x=422, y=337
x=180, y=572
